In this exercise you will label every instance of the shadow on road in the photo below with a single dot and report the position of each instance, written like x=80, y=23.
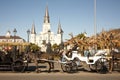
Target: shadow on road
x=45, y=69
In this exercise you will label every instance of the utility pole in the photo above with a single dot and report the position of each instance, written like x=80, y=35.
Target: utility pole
x=95, y=26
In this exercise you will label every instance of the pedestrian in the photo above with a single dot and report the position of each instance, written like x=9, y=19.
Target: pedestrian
x=48, y=49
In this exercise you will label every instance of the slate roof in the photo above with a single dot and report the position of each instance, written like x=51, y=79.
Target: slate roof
x=11, y=37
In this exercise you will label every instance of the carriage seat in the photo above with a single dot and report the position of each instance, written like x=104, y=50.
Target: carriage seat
x=101, y=52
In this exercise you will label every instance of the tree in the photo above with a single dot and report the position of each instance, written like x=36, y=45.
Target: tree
x=55, y=46
x=81, y=36
x=34, y=47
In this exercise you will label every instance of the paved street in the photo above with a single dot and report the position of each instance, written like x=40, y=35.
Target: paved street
x=57, y=74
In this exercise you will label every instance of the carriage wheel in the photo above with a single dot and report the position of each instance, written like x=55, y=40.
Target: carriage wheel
x=18, y=66
x=74, y=66
x=104, y=66
x=99, y=66
x=63, y=67
x=68, y=68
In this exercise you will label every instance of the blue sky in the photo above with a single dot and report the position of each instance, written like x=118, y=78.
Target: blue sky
x=76, y=16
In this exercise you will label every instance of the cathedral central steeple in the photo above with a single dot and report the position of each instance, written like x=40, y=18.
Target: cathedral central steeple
x=46, y=17
x=46, y=23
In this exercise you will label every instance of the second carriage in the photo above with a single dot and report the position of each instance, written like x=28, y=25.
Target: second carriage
x=99, y=62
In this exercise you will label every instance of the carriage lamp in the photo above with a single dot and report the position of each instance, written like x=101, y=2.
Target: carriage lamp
x=14, y=31
x=28, y=33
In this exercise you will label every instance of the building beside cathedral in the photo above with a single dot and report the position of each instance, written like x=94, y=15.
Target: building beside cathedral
x=46, y=35
x=8, y=38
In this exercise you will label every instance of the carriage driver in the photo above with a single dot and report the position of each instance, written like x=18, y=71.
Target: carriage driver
x=92, y=51
x=86, y=52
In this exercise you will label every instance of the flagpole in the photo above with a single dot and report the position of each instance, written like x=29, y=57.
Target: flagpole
x=95, y=31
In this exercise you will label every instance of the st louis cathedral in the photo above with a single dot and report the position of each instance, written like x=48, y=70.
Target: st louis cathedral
x=46, y=35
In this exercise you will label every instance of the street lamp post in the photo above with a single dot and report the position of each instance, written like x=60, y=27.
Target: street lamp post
x=14, y=47
x=61, y=44
x=28, y=32
x=48, y=50
x=49, y=35
x=14, y=31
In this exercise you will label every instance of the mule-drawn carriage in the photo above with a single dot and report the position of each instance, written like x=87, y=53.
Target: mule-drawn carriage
x=99, y=62
x=94, y=62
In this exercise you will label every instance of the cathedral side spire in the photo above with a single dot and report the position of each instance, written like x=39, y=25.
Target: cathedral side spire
x=46, y=17
x=33, y=29
x=59, y=28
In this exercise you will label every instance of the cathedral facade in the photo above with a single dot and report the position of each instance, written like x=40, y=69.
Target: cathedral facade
x=46, y=35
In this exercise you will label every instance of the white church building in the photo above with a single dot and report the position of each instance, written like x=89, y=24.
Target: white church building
x=46, y=35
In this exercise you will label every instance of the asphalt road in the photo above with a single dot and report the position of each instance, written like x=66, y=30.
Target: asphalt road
x=57, y=74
